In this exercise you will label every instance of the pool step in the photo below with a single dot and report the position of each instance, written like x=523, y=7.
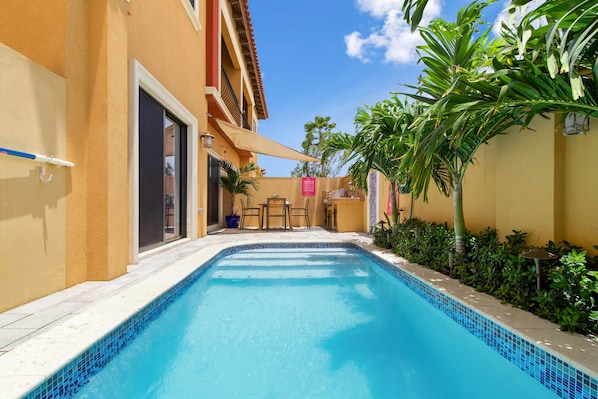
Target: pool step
x=288, y=272
x=293, y=260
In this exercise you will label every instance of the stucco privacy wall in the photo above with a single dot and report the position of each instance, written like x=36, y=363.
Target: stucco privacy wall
x=537, y=181
x=580, y=216
x=479, y=198
x=32, y=213
x=290, y=188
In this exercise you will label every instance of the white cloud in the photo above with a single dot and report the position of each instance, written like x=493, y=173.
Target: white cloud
x=379, y=8
x=393, y=36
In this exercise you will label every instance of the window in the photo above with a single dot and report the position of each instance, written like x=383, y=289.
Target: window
x=192, y=8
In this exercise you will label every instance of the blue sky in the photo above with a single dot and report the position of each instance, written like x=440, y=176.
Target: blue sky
x=330, y=57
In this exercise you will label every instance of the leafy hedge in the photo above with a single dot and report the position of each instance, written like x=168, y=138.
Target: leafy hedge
x=569, y=293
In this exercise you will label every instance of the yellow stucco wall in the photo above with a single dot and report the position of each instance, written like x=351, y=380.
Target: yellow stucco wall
x=580, y=214
x=77, y=102
x=290, y=188
x=537, y=181
x=36, y=29
x=107, y=141
x=179, y=66
x=32, y=213
x=526, y=183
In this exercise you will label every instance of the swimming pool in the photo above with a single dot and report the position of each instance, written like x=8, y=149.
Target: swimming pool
x=360, y=343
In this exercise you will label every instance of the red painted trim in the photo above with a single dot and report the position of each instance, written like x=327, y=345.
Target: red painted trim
x=213, y=43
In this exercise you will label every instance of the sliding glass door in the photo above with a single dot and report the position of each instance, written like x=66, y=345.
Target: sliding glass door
x=162, y=175
x=213, y=191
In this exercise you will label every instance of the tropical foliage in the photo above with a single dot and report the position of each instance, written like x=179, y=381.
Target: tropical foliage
x=548, y=63
x=232, y=181
x=473, y=88
x=317, y=135
x=447, y=136
x=380, y=143
x=569, y=293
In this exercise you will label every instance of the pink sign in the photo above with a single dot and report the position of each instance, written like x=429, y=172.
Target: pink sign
x=308, y=186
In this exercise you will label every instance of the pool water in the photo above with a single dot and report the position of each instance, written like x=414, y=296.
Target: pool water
x=306, y=323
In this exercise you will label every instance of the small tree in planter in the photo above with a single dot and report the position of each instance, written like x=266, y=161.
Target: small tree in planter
x=233, y=182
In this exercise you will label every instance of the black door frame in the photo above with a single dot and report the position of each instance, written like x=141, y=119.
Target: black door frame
x=152, y=209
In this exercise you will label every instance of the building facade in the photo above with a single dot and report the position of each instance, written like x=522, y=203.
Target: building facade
x=127, y=91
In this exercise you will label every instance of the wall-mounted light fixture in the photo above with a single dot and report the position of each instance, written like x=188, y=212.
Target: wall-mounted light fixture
x=576, y=124
x=207, y=139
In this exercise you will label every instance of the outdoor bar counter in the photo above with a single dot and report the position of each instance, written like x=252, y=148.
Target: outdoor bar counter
x=345, y=214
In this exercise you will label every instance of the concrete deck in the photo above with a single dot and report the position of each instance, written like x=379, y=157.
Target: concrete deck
x=37, y=338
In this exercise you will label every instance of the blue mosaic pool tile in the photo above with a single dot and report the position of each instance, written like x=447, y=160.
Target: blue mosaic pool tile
x=552, y=372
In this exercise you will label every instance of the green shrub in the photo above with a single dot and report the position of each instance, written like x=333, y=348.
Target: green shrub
x=574, y=293
x=423, y=243
x=382, y=237
x=569, y=294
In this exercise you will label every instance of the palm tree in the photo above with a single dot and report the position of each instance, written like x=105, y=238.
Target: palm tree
x=543, y=69
x=547, y=65
x=549, y=62
x=446, y=138
x=382, y=138
x=562, y=34
x=233, y=182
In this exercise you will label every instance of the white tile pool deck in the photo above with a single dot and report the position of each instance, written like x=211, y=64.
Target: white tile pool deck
x=38, y=338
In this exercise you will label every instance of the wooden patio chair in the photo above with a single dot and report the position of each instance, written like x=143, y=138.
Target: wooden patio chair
x=276, y=208
x=248, y=211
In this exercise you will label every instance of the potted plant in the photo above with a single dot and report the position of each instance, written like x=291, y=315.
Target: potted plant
x=232, y=181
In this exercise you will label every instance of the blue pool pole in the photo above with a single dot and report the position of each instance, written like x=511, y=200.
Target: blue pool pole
x=35, y=157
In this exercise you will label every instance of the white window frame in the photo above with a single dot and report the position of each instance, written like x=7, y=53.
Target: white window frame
x=142, y=78
x=193, y=13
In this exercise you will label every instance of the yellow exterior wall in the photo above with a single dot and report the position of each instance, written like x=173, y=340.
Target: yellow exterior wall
x=77, y=106
x=511, y=186
x=70, y=98
x=526, y=183
x=580, y=214
x=179, y=63
x=36, y=29
x=179, y=66
x=32, y=213
x=290, y=188
x=108, y=140
x=537, y=181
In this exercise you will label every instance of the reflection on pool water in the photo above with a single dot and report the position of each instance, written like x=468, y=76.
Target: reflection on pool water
x=320, y=322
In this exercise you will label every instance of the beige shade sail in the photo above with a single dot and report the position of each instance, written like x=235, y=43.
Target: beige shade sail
x=247, y=140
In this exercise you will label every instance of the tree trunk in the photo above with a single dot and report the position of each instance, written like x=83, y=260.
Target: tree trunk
x=459, y=220
x=394, y=192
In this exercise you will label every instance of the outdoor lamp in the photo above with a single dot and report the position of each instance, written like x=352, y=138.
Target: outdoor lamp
x=207, y=139
x=537, y=255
